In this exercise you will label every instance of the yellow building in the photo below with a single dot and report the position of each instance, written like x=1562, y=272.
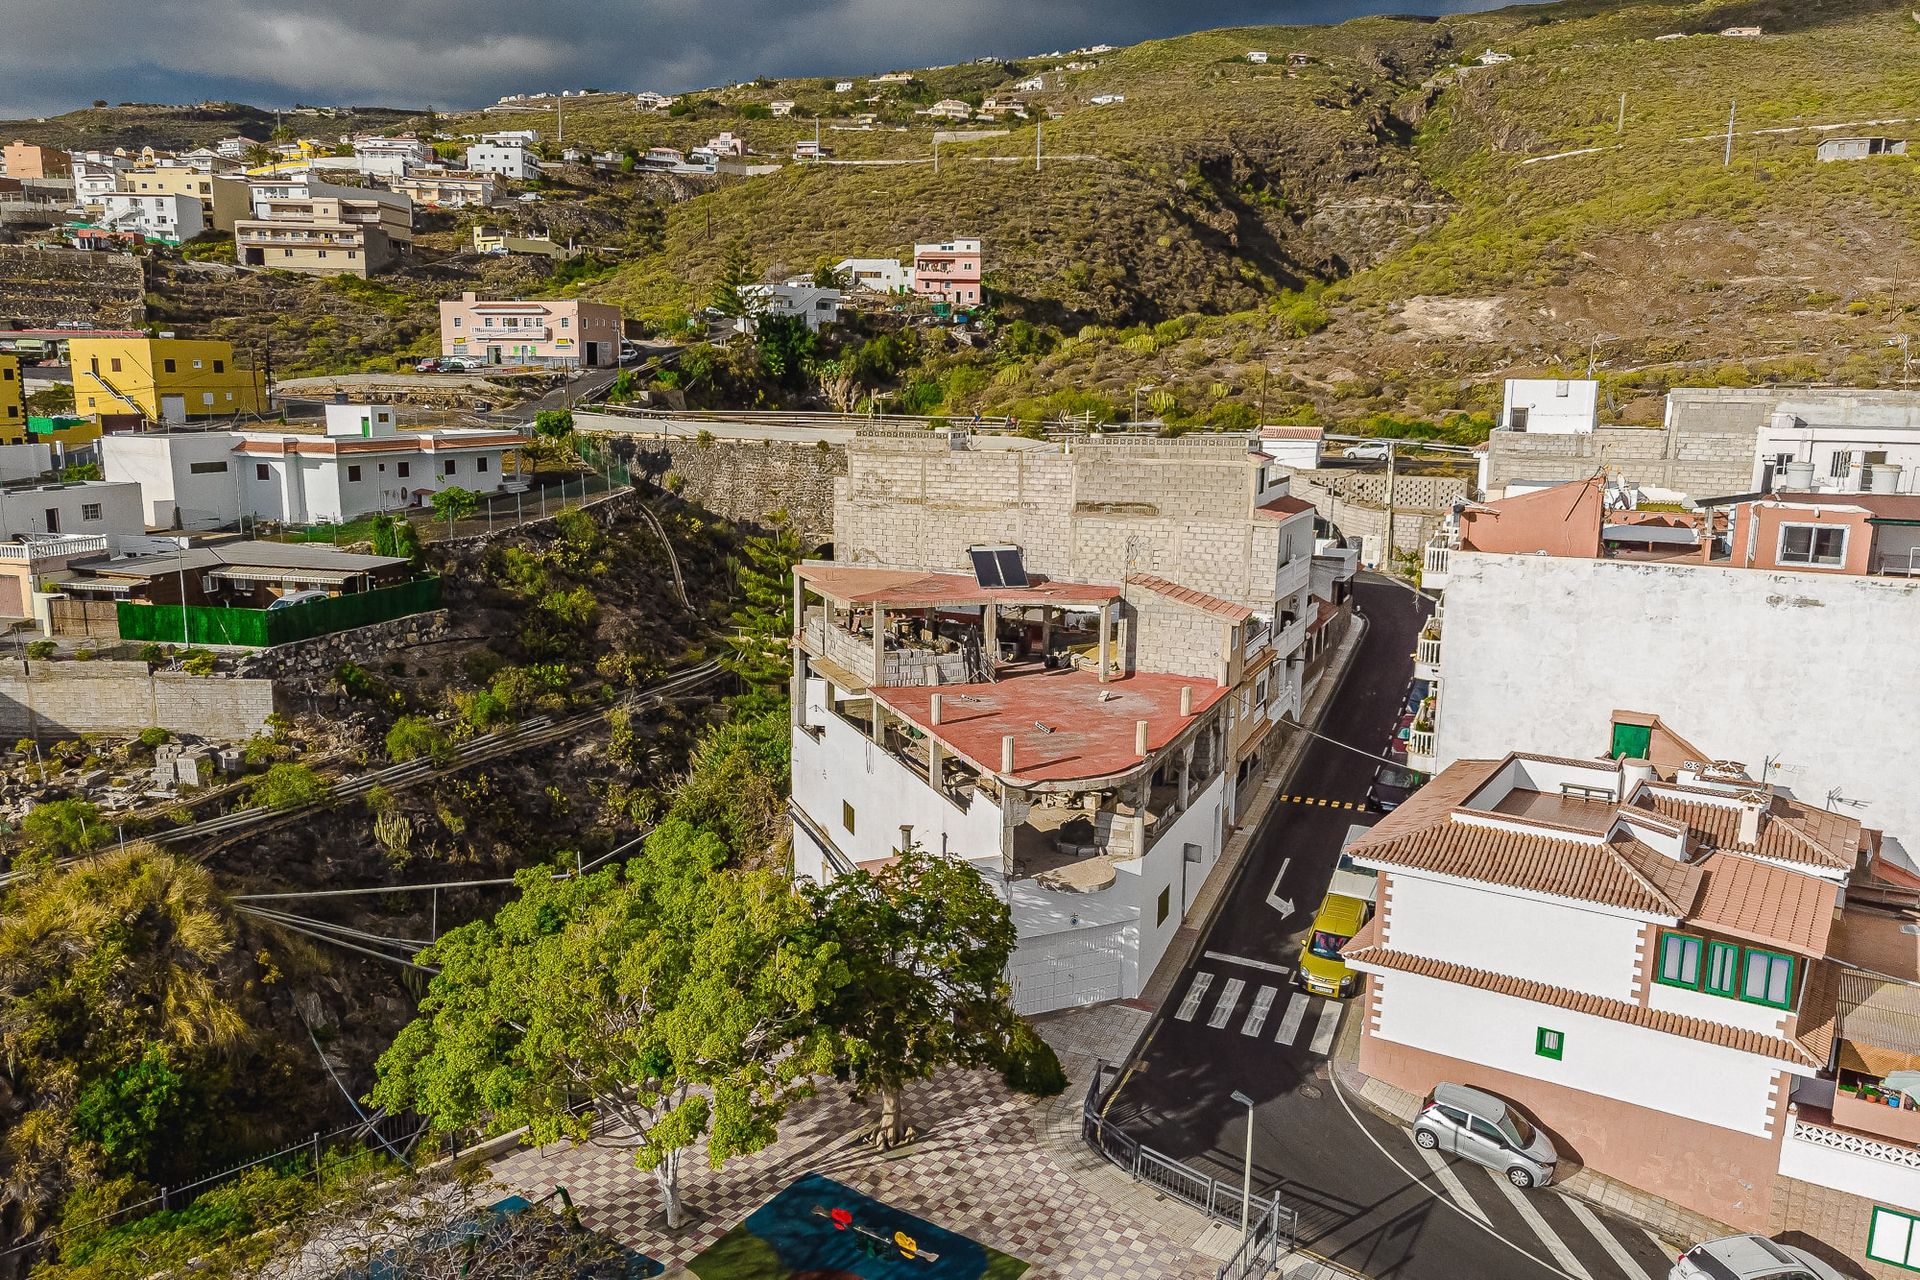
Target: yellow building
x=13, y=401
x=162, y=379
x=225, y=200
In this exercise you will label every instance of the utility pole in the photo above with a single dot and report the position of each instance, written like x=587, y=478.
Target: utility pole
x=1393, y=470
x=560, y=122
x=1732, y=108
x=936, y=153
x=1621, y=123
x=1037, y=124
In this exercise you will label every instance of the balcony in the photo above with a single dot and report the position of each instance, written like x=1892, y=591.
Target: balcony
x=1291, y=635
x=1421, y=755
x=1433, y=571
x=1295, y=576
x=1844, y=1159
x=46, y=546
x=1868, y=1114
x=1426, y=658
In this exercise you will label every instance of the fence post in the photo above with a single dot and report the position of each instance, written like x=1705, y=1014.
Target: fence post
x=316, y=1157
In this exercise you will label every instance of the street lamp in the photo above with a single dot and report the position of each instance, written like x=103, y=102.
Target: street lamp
x=1137, y=389
x=1246, y=1181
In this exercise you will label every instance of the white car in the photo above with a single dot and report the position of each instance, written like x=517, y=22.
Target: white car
x=1749, y=1257
x=1374, y=452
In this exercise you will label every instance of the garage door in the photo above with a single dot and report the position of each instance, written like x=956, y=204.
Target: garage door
x=1062, y=971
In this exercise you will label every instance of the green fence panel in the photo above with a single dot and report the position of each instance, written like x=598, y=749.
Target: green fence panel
x=259, y=628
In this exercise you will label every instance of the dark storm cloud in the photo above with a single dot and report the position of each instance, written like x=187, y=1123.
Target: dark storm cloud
x=59, y=54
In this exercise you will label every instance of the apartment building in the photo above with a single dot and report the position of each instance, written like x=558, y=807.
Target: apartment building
x=1563, y=603
x=562, y=332
x=508, y=159
x=393, y=157
x=437, y=188
x=948, y=272
x=1066, y=691
x=362, y=464
x=165, y=219
x=96, y=173
x=160, y=379
x=876, y=275
x=1699, y=983
x=814, y=305
x=24, y=161
x=224, y=201
x=319, y=236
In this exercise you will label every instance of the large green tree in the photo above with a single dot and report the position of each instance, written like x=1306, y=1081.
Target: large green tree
x=925, y=942
x=733, y=295
x=674, y=998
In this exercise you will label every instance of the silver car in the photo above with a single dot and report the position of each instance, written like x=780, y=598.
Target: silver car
x=1479, y=1127
x=1749, y=1257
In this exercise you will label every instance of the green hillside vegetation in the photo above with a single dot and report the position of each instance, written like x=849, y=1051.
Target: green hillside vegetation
x=137, y=124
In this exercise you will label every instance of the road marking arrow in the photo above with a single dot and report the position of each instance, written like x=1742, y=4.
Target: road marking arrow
x=1283, y=905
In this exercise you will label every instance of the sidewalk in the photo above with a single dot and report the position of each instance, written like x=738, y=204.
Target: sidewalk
x=1270, y=788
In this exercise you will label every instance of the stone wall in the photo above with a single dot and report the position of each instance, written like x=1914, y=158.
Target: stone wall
x=306, y=667
x=62, y=699
x=41, y=288
x=745, y=480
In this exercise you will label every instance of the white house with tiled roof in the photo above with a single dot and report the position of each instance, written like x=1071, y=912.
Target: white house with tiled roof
x=1686, y=975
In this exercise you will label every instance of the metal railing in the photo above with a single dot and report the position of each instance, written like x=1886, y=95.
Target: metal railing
x=1429, y=653
x=1275, y=1225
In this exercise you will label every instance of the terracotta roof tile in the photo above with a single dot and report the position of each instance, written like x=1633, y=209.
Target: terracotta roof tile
x=1225, y=609
x=1818, y=1020
x=1293, y=433
x=1760, y=902
x=1759, y=1043
x=1791, y=831
x=1430, y=803
x=1621, y=872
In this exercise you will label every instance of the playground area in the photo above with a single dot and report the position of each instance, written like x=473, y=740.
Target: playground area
x=819, y=1229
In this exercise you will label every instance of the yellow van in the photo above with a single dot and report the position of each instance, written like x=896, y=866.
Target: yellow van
x=1348, y=906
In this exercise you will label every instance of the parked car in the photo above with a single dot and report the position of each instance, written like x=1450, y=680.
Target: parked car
x=1368, y=451
x=293, y=598
x=1749, y=1257
x=1417, y=693
x=1348, y=906
x=459, y=364
x=430, y=365
x=1391, y=786
x=629, y=353
x=1479, y=1127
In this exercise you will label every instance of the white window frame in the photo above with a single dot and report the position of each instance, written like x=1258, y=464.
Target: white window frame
x=1812, y=560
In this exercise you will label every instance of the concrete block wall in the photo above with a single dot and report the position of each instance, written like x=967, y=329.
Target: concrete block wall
x=1165, y=636
x=58, y=699
x=1355, y=505
x=746, y=480
x=1698, y=458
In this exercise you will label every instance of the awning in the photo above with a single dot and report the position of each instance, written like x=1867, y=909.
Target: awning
x=255, y=574
x=1871, y=1060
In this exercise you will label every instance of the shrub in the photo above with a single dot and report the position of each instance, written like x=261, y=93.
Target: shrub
x=153, y=737
x=152, y=654
x=199, y=662
x=41, y=650
x=415, y=736
x=1031, y=1066
x=289, y=786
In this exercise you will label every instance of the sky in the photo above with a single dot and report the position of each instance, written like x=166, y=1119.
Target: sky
x=460, y=53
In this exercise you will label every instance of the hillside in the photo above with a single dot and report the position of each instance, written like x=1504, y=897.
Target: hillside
x=1380, y=232
x=137, y=124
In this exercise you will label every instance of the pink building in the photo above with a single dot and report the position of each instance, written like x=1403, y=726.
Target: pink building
x=948, y=272
x=549, y=332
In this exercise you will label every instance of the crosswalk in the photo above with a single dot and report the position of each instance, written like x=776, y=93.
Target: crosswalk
x=1547, y=1223
x=1318, y=1018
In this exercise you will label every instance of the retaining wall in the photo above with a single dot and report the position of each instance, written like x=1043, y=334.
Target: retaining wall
x=61, y=699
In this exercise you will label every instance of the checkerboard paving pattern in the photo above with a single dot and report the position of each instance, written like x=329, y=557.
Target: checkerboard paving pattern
x=980, y=1166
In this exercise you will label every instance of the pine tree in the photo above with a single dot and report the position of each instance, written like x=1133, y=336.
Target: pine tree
x=764, y=621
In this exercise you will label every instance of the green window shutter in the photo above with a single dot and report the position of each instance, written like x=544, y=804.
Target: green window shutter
x=1549, y=1043
x=1767, y=979
x=1631, y=741
x=1679, y=961
x=1723, y=969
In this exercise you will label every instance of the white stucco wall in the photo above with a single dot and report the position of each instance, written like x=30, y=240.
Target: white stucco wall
x=120, y=509
x=1722, y=1009
x=1856, y=1172
x=1808, y=669
x=1669, y=1074
x=1555, y=406
x=1567, y=946
x=162, y=465
x=842, y=766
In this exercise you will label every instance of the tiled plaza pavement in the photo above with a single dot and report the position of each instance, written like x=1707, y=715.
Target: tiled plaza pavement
x=982, y=1165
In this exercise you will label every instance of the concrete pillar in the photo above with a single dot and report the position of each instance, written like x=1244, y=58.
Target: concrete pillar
x=990, y=636
x=879, y=645
x=1105, y=643
x=1006, y=753
x=1046, y=631
x=938, y=700
x=878, y=731
x=935, y=778
x=1186, y=773
x=1186, y=699
x=797, y=695
x=1140, y=728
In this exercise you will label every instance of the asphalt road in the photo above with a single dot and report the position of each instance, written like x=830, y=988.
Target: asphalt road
x=1368, y=1199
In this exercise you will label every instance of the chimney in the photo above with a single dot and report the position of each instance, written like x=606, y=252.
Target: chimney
x=1186, y=699
x=1006, y=753
x=1140, y=737
x=1752, y=804
x=935, y=716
